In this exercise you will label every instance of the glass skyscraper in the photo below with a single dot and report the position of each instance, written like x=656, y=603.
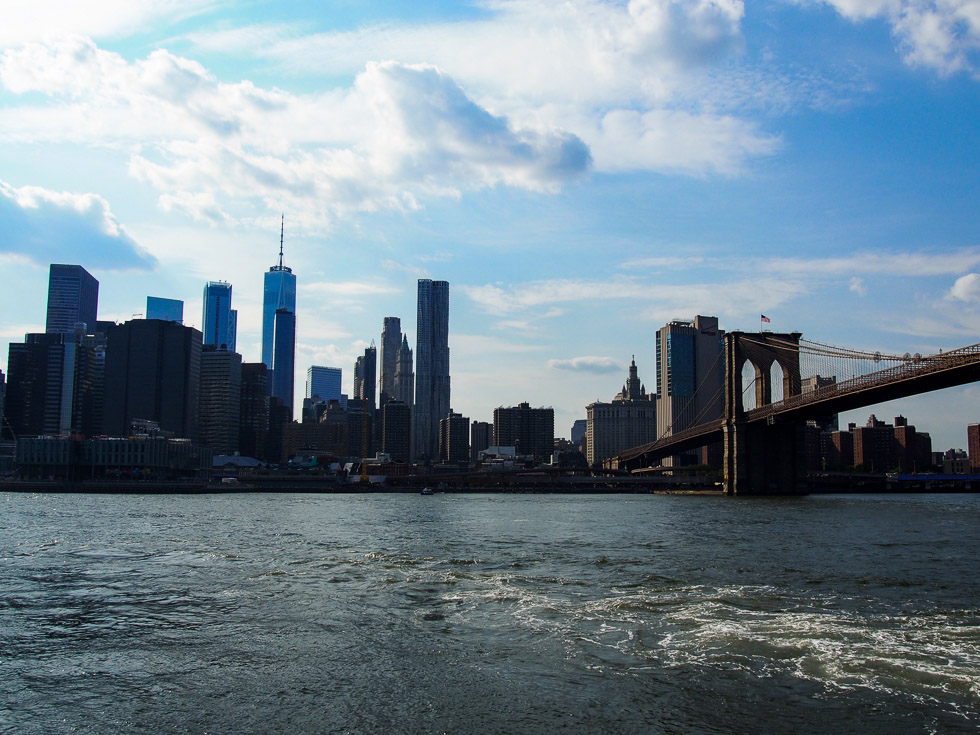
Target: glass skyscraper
x=73, y=297
x=431, y=366
x=324, y=382
x=169, y=310
x=220, y=321
x=279, y=329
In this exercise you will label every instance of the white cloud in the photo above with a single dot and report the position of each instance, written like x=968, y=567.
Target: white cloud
x=66, y=227
x=939, y=34
x=857, y=286
x=966, y=288
x=623, y=77
x=588, y=364
x=400, y=134
x=38, y=19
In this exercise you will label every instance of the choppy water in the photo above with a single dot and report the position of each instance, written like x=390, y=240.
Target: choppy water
x=489, y=614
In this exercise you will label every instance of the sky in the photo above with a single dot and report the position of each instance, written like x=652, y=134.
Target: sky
x=581, y=172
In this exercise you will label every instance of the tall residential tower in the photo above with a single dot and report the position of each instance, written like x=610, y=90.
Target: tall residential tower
x=431, y=366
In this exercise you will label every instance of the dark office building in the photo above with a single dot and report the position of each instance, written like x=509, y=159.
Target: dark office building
x=254, y=411
x=454, y=439
x=365, y=375
x=481, y=437
x=335, y=419
x=3, y=393
x=283, y=356
x=360, y=428
x=73, y=297
x=153, y=371
x=221, y=397
x=54, y=385
x=973, y=446
x=396, y=419
x=530, y=430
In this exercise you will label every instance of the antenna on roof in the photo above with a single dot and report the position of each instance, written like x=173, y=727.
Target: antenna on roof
x=282, y=228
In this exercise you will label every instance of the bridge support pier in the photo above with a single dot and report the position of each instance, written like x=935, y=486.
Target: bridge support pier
x=761, y=459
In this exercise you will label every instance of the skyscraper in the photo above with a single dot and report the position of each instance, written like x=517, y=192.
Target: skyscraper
x=170, y=310
x=365, y=370
x=220, y=321
x=404, y=389
x=324, y=382
x=530, y=430
x=254, y=413
x=391, y=342
x=690, y=375
x=629, y=420
x=283, y=355
x=219, y=408
x=279, y=294
x=153, y=372
x=73, y=297
x=53, y=385
x=431, y=366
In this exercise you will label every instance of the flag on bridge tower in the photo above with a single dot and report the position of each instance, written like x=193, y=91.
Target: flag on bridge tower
x=764, y=318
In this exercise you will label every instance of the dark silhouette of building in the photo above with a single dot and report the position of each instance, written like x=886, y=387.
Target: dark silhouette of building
x=73, y=298
x=481, y=437
x=365, y=373
x=153, y=371
x=391, y=342
x=54, y=385
x=360, y=428
x=335, y=419
x=973, y=446
x=396, y=418
x=530, y=430
x=221, y=398
x=454, y=445
x=283, y=356
x=432, y=384
x=254, y=411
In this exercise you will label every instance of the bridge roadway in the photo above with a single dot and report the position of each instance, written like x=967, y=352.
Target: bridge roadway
x=909, y=378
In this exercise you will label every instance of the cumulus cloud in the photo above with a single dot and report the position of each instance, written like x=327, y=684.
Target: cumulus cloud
x=587, y=364
x=966, y=288
x=939, y=34
x=399, y=134
x=66, y=227
x=618, y=75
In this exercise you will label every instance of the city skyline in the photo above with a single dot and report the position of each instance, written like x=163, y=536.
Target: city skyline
x=816, y=163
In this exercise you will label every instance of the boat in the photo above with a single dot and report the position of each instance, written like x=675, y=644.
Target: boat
x=428, y=491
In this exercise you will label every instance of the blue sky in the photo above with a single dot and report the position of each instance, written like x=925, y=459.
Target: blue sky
x=580, y=172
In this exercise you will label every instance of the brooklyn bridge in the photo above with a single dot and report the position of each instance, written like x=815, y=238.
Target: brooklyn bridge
x=760, y=439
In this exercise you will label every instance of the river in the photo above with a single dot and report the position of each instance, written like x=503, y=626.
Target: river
x=489, y=613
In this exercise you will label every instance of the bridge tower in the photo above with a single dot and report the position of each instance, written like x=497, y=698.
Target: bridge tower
x=760, y=458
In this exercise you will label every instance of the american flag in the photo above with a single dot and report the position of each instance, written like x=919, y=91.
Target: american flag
x=765, y=319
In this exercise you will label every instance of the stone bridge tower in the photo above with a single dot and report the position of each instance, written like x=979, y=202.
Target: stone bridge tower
x=760, y=458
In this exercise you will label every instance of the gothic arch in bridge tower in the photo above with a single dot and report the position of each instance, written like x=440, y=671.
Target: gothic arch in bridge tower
x=773, y=358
